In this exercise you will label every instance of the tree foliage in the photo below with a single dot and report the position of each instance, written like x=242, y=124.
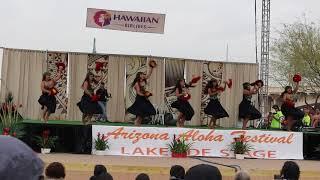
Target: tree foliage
x=297, y=49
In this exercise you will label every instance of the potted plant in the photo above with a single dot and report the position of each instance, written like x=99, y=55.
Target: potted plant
x=46, y=142
x=179, y=147
x=10, y=119
x=240, y=147
x=100, y=144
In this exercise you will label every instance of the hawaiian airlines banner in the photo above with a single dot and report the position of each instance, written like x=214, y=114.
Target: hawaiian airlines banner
x=125, y=21
x=150, y=141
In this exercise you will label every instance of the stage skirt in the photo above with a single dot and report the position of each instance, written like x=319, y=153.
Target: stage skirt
x=215, y=109
x=87, y=106
x=142, y=107
x=48, y=101
x=287, y=111
x=184, y=107
x=246, y=110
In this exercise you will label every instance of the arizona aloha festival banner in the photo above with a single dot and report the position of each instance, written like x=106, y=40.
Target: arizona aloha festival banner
x=125, y=21
x=151, y=141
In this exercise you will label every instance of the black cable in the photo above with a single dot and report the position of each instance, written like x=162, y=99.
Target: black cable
x=235, y=167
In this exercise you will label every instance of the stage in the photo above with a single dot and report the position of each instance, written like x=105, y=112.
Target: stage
x=77, y=138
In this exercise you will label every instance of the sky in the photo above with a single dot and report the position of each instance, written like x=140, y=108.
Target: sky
x=194, y=29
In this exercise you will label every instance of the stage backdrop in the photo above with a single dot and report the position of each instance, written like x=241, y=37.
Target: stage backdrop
x=21, y=68
x=153, y=142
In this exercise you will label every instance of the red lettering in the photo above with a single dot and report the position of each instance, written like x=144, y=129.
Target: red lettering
x=272, y=154
x=163, y=151
x=225, y=153
x=137, y=150
x=122, y=151
x=151, y=151
x=205, y=152
x=194, y=152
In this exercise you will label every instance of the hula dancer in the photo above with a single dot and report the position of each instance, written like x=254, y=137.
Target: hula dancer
x=291, y=113
x=89, y=101
x=246, y=110
x=48, y=100
x=182, y=104
x=142, y=107
x=214, y=107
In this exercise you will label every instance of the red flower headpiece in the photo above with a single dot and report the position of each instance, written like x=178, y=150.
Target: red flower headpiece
x=61, y=64
x=99, y=66
x=296, y=78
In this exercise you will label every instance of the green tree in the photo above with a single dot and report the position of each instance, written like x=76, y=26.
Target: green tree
x=297, y=49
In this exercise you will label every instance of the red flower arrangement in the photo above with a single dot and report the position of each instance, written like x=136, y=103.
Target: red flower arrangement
x=101, y=143
x=10, y=118
x=240, y=146
x=179, y=147
x=45, y=140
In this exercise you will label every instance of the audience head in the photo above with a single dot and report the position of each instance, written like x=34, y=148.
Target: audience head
x=177, y=172
x=104, y=176
x=55, y=170
x=142, y=176
x=18, y=161
x=290, y=170
x=242, y=175
x=203, y=172
x=100, y=169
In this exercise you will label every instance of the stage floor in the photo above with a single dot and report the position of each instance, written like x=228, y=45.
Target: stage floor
x=80, y=167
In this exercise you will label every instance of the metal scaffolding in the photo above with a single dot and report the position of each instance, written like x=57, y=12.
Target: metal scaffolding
x=264, y=63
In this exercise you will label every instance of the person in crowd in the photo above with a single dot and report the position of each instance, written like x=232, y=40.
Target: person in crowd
x=103, y=95
x=291, y=113
x=18, y=161
x=306, y=120
x=290, y=171
x=48, y=100
x=142, y=176
x=246, y=110
x=214, y=107
x=177, y=172
x=103, y=176
x=182, y=104
x=99, y=169
x=277, y=118
x=142, y=106
x=242, y=175
x=316, y=118
x=55, y=171
x=203, y=172
x=88, y=104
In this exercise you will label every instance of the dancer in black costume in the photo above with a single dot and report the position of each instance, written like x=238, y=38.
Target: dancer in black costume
x=48, y=100
x=141, y=107
x=288, y=109
x=246, y=110
x=89, y=102
x=214, y=107
x=186, y=111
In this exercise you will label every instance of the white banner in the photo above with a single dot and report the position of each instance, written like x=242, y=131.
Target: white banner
x=153, y=141
x=126, y=21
